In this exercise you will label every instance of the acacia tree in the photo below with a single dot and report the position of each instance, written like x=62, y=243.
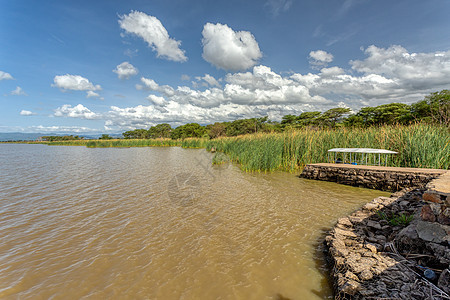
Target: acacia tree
x=439, y=103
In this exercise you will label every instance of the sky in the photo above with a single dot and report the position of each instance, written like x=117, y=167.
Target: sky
x=108, y=66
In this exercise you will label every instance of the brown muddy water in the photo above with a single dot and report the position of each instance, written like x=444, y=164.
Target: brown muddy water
x=160, y=223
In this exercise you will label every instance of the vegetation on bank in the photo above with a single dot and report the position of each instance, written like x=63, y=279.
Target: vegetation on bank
x=418, y=132
x=418, y=146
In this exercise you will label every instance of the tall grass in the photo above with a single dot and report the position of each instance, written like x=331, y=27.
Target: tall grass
x=419, y=145
x=133, y=143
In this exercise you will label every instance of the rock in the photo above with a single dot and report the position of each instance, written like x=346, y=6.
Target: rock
x=407, y=234
x=342, y=232
x=443, y=218
x=350, y=275
x=365, y=275
x=365, y=263
x=350, y=287
x=381, y=239
x=431, y=232
x=373, y=224
x=345, y=221
x=370, y=206
x=432, y=197
x=338, y=248
x=444, y=281
x=371, y=247
x=427, y=214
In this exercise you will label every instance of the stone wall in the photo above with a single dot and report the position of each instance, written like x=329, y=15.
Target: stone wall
x=394, y=247
x=437, y=197
x=373, y=177
x=372, y=257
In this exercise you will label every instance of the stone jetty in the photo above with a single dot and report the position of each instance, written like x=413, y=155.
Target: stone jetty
x=395, y=247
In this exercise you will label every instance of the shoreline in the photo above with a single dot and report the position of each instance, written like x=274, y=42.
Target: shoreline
x=383, y=249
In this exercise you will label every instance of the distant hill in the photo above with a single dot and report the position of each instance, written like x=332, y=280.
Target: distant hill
x=21, y=136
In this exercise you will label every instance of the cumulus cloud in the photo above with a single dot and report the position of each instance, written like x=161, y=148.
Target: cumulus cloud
x=320, y=58
x=26, y=113
x=412, y=70
x=228, y=49
x=125, y=70
x=185, y=77
x=151, y=30
x=156, y=100
x=385, y=75
x=75, y=83
x=5, y=76
x=92, y=94
x=19, y=92
x=78, y=111
x=208, y=80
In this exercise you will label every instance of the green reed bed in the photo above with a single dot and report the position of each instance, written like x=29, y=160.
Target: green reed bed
x=194, y=142
x=419, y=145
x=133, y=143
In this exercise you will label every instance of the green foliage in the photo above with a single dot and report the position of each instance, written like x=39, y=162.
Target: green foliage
x=395, y=219
x=136, y=134
x=160, y=131
x=419, y=146
x=105, y=137
x=188, y=130
x=220, y=158
x=54, y=138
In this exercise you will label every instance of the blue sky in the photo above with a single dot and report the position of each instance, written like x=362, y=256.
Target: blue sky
x=111, y=66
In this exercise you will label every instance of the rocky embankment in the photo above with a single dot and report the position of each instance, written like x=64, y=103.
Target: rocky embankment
x=395, y=247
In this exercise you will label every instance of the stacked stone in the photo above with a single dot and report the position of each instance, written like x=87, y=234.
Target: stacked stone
x=362, y=266
x=437, y=197
x=385, y=179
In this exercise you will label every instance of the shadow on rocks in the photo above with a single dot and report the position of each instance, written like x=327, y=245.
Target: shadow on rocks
x=388, y=250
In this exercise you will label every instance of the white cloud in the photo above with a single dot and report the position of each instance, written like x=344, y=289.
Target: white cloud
x=208, y=80
x=151, y=30
x=320, y=58
x=75, y=83
x=125, y=70
x=228, y=49
x=78, y=111
x=410, y=70
x=26, y=113
x=159, y=101
x=5, y=76
x=92, y=94
x=385, y=75
x=19, y=92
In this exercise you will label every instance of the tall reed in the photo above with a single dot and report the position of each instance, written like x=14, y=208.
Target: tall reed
x=418, y=145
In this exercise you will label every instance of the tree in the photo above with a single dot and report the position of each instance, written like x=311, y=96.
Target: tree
x=332, y=116
x=136, y=134
x=308, y=118
x=160, y=131
x=188, y=130
x=105, y=137
x=289, y=121
x=439, y=103
x=217, y=130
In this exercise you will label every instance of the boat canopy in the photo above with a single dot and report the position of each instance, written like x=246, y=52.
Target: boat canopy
x=362, y=150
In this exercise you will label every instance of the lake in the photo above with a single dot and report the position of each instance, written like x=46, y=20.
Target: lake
x=160, y=223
